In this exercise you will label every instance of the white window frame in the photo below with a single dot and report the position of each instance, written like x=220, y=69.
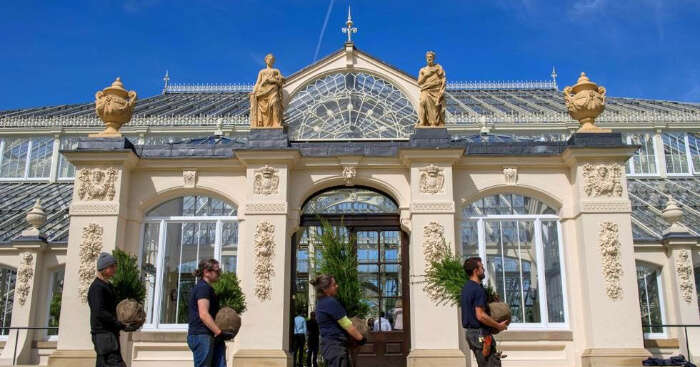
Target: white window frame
x=662, y=306
x=541, y=281
x=48, y=305
x=162, y=230
x=688, y=157
x=691, y=164
x=630, y=162
x=27, y=162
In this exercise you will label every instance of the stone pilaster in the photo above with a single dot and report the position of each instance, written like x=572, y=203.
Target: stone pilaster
x=25, y=305
x=264, y=263
x=600, y=236
x=98, y=222
x=432, y=223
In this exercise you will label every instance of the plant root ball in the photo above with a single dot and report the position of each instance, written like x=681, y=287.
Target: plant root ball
x=130, y=312
x=499, y=311
x=227, y=319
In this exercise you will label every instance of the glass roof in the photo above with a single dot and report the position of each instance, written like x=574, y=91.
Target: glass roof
x=349, y=201
x=349, y=106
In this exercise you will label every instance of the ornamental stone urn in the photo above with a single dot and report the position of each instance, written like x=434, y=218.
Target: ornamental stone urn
x=114, y=105
x=672, y=215
x=36, y=217
x=586, y=101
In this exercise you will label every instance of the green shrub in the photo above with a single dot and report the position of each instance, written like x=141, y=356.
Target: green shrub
x=127, y=280
x=228, y=289
x=338, y=259
x=445, y=278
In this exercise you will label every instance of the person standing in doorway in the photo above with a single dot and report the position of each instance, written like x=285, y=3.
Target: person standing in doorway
x=312, y=341
x=382, y=324
x=333, y=323
x=204, y=338
x=104, y=325
x=299, y=340
x=398, y=315
x=475, y=319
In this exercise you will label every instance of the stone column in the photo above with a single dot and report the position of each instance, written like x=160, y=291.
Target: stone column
x=98, y=222
x=264, y=261
x=680, y=245
x=599, y=235
x=435, y=329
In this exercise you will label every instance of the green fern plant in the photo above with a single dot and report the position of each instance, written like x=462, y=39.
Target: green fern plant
x=445, y=277
x=127, y=281
x=338, y=259
x=229, y=291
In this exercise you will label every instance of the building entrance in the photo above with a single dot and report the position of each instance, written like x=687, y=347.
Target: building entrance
x=370, y=220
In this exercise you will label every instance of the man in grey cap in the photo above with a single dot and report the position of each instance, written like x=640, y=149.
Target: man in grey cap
x=104, y=325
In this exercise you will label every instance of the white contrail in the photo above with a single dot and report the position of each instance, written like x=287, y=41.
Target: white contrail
x=323, y=29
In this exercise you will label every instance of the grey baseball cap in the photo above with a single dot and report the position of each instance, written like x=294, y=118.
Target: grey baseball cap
x=105, y=260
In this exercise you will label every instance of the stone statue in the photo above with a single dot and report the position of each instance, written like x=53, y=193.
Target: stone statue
x=432, y=83
x=266, y=98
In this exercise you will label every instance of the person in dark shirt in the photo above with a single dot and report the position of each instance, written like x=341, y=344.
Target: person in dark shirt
x=333, y=323
x=104, y=326
x=475, y=319
x=204, y=338
x=313, y=332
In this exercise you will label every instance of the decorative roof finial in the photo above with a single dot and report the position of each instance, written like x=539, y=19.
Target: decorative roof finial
x=36, y=217
x=672, y=214
x=166, y=79
x=554, y=78
x=349, y=29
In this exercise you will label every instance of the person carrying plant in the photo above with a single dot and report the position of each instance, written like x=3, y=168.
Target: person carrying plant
x=204, y=338
x=333, y=323
x=104, y=326
x=475, y=319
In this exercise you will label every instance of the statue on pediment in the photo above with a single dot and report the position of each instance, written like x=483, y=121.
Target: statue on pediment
x=266, y=98
x=432, y=83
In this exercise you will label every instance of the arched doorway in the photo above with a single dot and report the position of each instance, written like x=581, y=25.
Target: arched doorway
x=371, y=220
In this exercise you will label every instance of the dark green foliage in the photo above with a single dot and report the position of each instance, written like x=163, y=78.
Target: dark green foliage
x=338, y=259
x=445, y=278
x=54, y=312
x=228, y=289
x=127, y=280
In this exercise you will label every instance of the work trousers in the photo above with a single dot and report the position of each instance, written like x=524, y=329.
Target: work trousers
x=476, y=344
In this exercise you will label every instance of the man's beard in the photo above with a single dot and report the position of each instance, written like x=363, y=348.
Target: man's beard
x=482, y=276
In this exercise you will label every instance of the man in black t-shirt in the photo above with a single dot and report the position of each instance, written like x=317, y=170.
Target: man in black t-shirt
x=475, y=319
x=204, y=338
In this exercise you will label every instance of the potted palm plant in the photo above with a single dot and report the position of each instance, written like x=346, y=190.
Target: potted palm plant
x=232, y=301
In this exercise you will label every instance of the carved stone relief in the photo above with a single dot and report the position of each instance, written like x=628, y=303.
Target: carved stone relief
x=97, y=184
x=434, y=243
x=511, y=175
x=602, y=179
x=349, y=174
x=25, y=273
x=266, y=180
x=610, y=250
x=190, y=178
x=264, y=252
x=90, y=247
x=684, y=269
x=432, y=179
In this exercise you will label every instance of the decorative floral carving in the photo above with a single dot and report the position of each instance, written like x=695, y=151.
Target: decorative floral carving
x=434, y=247
x=610, y=249
x=511, y=175
x=264, y=252
x=90, y=247
x=585, y=101
x=266, y=180
x=190, y=178
x=602, y=179
x=97, y=184
x=349, y=174
x=114, y=105
x=432, y=179
x=24, y=277
x=684, y=269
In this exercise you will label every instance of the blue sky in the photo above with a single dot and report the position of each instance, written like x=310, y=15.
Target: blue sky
x=53, y=54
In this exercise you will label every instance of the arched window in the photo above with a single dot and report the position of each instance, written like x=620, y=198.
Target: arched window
x=650, y=299
x=349, y=105
x=518, y=239
x=177, y=235
x=350, y=201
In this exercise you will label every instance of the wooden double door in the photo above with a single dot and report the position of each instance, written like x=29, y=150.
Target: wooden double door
x=382, y=253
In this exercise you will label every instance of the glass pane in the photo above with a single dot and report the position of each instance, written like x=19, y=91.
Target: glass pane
x=528, y=266
x=505, y=204
x=644, y=159
x=391, y=280
x=14, y=158
x=40, y=161
x=193, y=206
x=367, y=246
x=470, y=239
x=391, y=246
x=552, y=270
x=55, y=301
x=65, y=168
x=186, y=245
x=649, y=297
x=8, y=277
x=369, y=280
x=393, y=312
x=149, y=257
x=494, y=260
x=694, y=145
x=229, y=245
x=349, y=201
x=674, y=150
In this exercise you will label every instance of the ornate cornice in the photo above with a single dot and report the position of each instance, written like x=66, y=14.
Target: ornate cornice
x=433, y=207
x=94, y=208
x=266, y=208
x=606, y=206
